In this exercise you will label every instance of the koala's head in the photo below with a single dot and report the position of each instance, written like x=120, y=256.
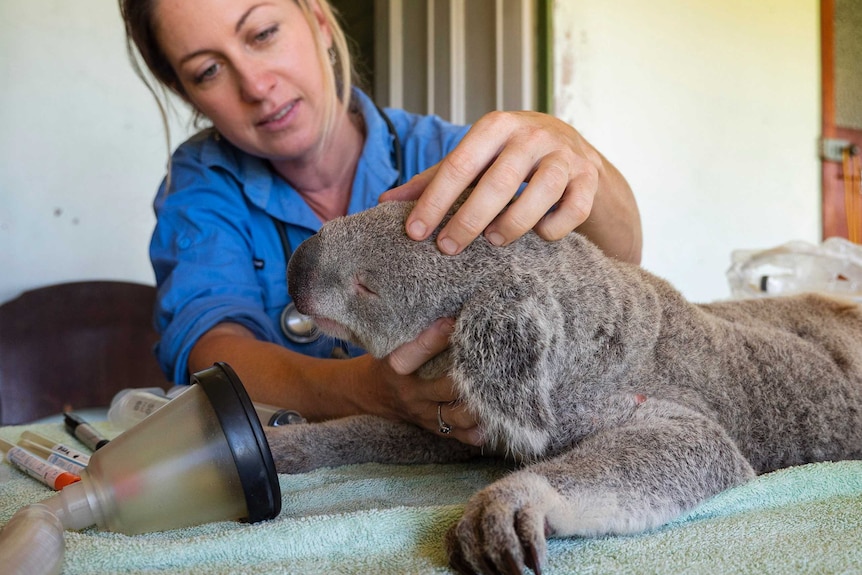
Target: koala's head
x=364, y=280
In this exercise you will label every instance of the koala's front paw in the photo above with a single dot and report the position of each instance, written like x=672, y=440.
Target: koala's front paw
x=290, y=447
x=504, y=528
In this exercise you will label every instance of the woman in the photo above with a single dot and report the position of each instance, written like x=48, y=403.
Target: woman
x=294, y=144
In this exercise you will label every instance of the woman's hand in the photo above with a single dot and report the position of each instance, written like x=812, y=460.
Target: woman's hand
x=322, y=389
x=405, y=396
x=569, y=185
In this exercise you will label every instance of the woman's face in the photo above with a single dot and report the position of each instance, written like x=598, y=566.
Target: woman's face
x=251, y=67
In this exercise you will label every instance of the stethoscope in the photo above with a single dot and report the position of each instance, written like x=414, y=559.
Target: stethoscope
x=300, y=328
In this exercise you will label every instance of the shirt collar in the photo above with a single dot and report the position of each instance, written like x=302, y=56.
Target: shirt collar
x=375, y=173
x=377, y=162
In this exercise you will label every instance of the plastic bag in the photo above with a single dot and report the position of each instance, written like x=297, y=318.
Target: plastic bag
x=835, y=267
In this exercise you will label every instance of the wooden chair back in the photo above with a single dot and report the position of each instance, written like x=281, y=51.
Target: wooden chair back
x=74, y=345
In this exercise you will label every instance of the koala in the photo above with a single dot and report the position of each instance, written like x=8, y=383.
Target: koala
x=622, y=404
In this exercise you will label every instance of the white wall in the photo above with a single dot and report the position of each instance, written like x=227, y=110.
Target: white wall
x=82, y=148
x=710, y=108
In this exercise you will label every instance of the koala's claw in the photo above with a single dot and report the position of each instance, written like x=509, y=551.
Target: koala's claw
x=499, y=533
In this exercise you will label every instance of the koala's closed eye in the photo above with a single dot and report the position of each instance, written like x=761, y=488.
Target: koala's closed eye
x=363, y=285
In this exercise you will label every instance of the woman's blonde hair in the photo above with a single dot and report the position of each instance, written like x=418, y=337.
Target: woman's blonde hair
x=142, y=45
x=335, y=61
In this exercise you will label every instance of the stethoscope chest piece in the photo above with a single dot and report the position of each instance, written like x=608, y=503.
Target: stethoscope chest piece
x=297, y=327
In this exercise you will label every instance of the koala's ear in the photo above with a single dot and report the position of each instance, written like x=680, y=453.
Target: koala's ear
x=508, y=329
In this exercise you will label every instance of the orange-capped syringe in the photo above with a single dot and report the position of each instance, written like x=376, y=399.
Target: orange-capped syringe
x=54, y=477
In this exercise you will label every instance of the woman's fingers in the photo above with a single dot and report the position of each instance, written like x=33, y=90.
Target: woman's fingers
x=501, y=153
x=410, y=356
x=451, y=419
x=411, y=189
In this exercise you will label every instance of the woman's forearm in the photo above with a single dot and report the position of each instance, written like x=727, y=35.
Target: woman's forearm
x=321, y=389
x=614, y=223
x=317, y=388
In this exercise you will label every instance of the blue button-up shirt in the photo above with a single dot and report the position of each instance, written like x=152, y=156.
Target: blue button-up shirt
x=216, y=251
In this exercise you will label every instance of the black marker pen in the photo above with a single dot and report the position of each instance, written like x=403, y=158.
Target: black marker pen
x=84, y=431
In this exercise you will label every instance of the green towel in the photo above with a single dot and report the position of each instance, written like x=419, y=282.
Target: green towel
x=392, y=519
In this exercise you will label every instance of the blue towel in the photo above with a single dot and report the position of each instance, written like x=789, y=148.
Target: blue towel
x=392, y=519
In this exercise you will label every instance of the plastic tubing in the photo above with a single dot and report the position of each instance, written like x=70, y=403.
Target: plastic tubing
x=32, y=542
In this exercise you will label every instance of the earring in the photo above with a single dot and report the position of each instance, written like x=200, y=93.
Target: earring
x=333, y=58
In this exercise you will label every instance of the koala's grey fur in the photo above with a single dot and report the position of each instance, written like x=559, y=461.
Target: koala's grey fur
x=626, y=404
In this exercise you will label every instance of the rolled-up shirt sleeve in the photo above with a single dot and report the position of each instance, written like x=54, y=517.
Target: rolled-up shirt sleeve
x=203, y=253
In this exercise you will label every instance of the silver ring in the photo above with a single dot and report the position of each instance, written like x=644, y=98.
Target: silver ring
x=445, y=428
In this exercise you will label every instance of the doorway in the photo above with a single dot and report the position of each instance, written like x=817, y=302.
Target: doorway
x=841, y=143
x=458, y=59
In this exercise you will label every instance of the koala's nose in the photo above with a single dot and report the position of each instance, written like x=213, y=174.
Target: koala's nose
x=301, y=271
